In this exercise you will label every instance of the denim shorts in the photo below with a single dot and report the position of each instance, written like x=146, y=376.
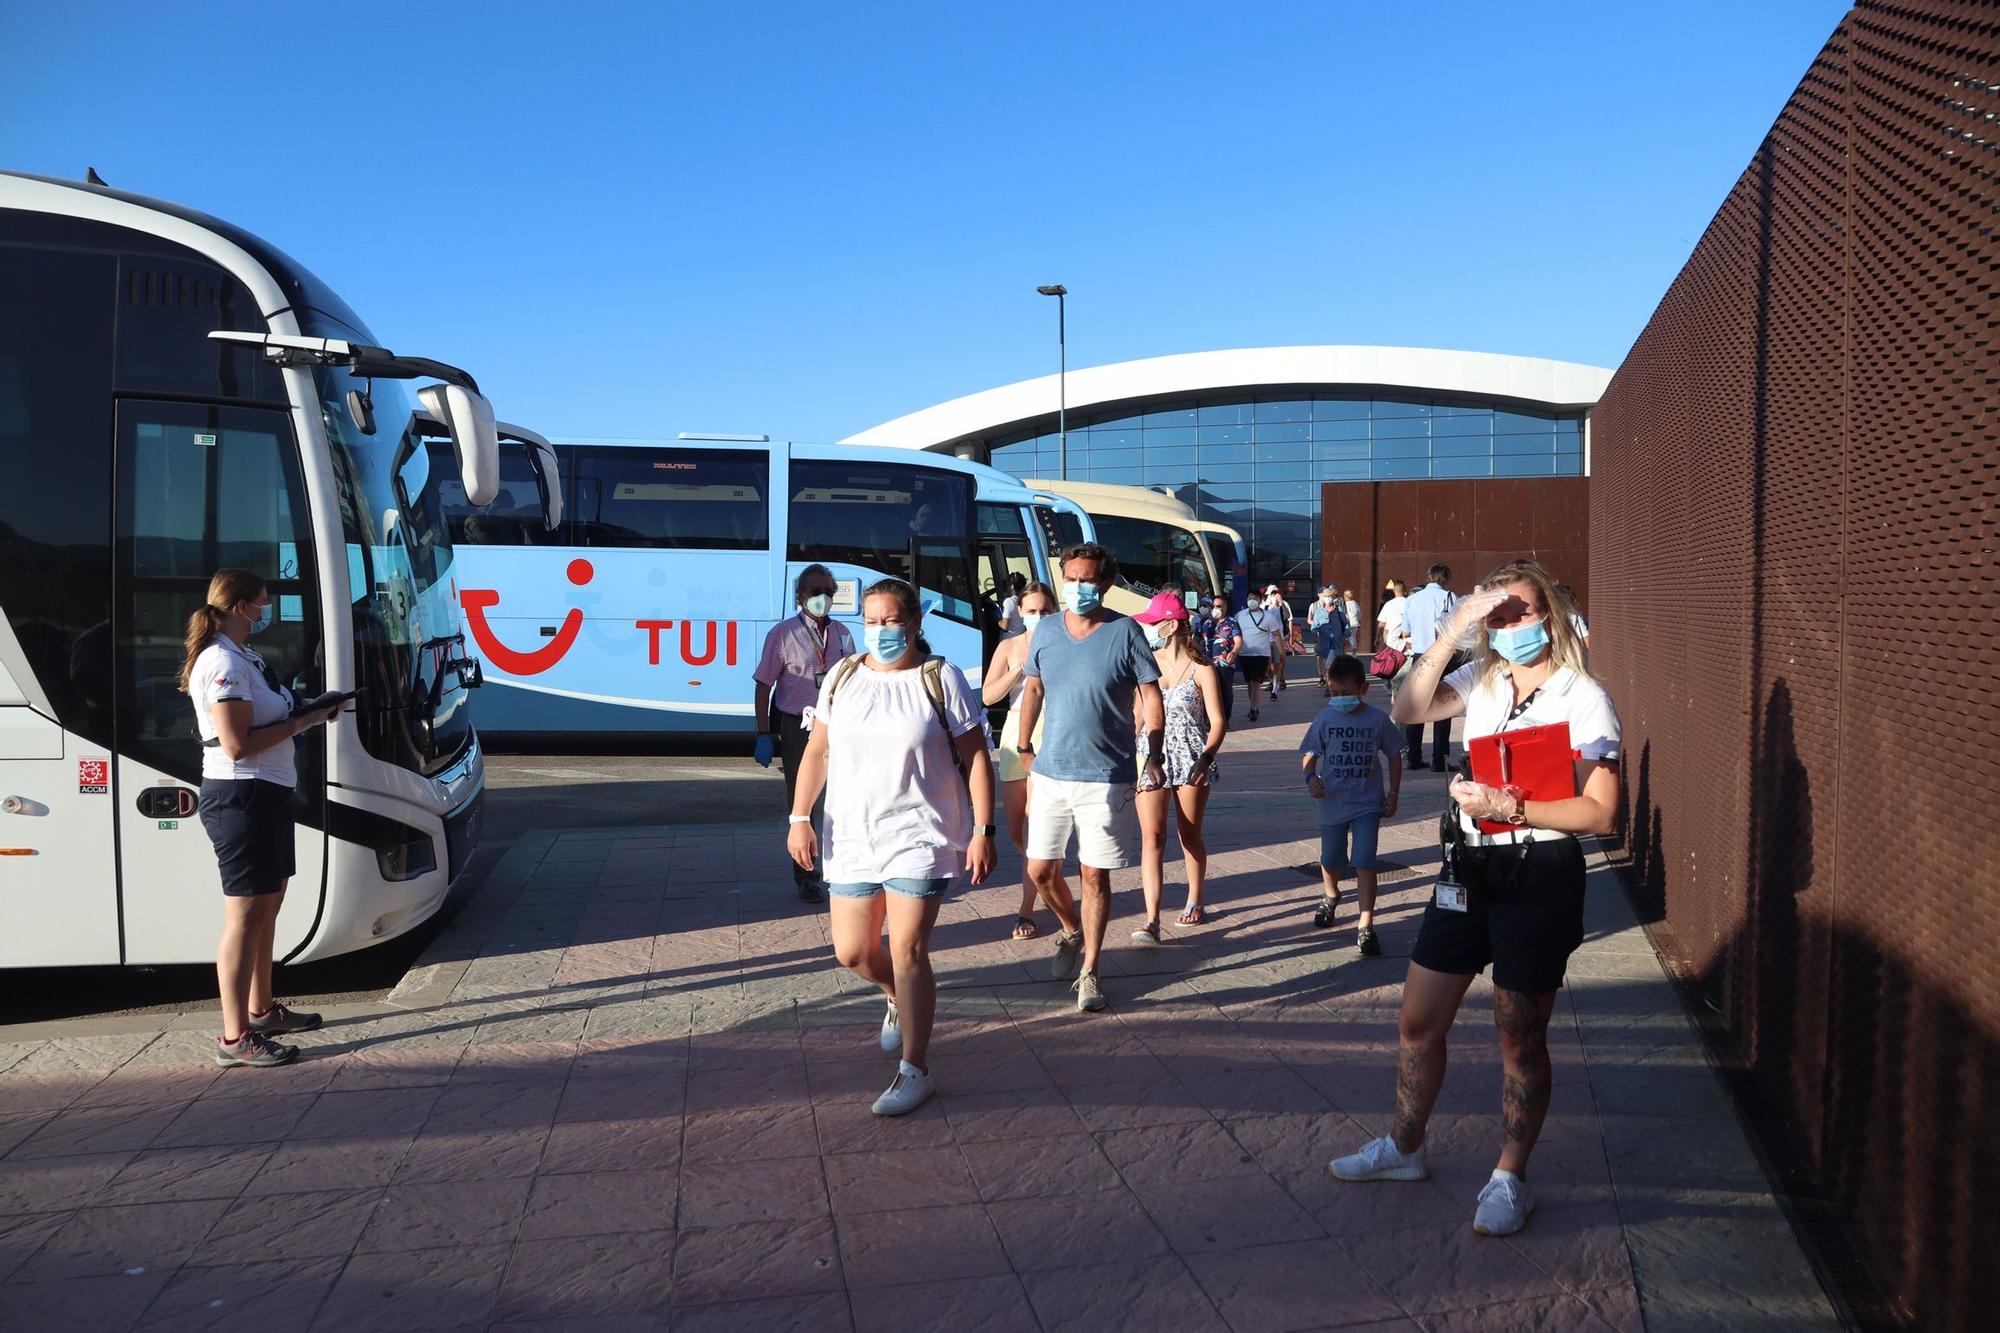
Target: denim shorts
x=1334, y=840
x=909, y=888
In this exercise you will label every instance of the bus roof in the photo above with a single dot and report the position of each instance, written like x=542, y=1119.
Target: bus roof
x=1095, y=496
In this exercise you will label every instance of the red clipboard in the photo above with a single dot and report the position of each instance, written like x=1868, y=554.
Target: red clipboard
x=1538, y=760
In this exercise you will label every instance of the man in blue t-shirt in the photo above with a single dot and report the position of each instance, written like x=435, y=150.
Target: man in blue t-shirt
x=1086, y=667
x=1428, y=608
x=1343, y=755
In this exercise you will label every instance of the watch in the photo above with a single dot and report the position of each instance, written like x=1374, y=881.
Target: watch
x=1024, y=749
x=985, y=830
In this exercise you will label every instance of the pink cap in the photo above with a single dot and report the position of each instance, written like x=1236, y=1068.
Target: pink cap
x=1164, y=606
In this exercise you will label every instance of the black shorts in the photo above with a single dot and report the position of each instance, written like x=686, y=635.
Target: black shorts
x=1253, y=669
x=250, y=822
x=1524, y=916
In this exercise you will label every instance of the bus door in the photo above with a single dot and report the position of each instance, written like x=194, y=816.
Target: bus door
x=199, y=487
x=1002, y=552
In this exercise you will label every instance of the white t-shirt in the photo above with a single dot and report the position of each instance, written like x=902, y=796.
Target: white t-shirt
x=1260, y=628
x=1353, y=610
x=1564, y=697
x=895, y=805
x=1391, y=621
x=1010, y=612
x=224, y=671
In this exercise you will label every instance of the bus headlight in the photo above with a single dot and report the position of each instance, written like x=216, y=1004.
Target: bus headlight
x=401, y=852
x=412, y=855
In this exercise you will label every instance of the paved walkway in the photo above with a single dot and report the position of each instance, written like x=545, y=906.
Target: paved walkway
x=628, y=1088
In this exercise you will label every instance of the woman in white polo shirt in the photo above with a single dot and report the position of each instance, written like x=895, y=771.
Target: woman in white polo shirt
x=247, y=724
x=1521, y=909
x=890, y=734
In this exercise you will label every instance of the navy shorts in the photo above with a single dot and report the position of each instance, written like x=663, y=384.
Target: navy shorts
x=1524, y=917
x=1253, y=669
x=1349, y=843
x=250, y=822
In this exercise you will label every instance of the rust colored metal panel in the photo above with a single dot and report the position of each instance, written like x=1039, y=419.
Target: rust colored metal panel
x=1792, y=586
x=1398, y=517
x=1506, y=515
x=1446, y=514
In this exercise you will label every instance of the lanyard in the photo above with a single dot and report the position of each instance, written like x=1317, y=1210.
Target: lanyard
x=821, y=637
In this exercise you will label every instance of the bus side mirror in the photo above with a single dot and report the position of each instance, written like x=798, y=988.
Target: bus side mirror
x=468, y=418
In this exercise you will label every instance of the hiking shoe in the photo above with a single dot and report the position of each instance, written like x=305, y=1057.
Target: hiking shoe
x=1089, y=999
x=1069, y=952
x=1380, y=1159
x=892, y=1031
x=283, y=1019
x=912, y=1088
x=254, y=1050
x=1365, y=940
x=1147, y=934
x=1504, y=1205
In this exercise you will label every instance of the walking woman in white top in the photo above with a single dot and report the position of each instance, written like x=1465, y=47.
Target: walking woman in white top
x=247, y=722
x=1192, y=696
x=899, y=745
x=1005, y=679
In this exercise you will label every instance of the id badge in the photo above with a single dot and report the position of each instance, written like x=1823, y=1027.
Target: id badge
x=1450, y=894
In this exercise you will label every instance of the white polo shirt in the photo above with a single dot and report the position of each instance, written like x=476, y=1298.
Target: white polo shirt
x=222, y=671
x=1564, y=697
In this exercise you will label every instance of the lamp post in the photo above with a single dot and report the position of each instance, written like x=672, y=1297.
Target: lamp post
x=1059, y=291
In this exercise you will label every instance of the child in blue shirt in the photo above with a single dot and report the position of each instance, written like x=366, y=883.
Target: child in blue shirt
x=1343, y=755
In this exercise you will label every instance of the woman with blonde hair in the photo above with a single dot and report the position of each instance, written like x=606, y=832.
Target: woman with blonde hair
x=1514, y=899
x=247, y=722
x=1191, y=694
x=1004, y=680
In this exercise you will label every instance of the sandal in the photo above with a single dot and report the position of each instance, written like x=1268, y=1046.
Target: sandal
x=1192, y=916
x=1147, y=934
x=1324, y=916
x=1024, y=928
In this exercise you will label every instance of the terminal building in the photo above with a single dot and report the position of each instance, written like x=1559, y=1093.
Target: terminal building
x=1275, y=441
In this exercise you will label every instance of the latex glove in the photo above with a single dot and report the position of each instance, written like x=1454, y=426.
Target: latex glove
x=1471, y=612
x=767, y=748
x=1481, y=801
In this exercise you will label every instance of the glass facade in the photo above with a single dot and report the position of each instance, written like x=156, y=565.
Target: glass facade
x=1256, y=461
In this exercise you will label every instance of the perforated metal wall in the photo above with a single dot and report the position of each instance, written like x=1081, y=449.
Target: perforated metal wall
x=1793, y=583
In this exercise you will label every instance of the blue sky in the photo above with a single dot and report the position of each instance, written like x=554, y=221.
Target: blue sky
x=633, y=220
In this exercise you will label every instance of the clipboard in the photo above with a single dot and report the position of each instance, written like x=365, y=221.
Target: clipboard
x=1538, y=760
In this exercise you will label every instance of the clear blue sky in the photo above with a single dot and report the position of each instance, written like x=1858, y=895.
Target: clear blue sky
x=637, y=219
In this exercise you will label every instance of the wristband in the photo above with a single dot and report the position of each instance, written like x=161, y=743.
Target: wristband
x=985, y=830
x=798, y=819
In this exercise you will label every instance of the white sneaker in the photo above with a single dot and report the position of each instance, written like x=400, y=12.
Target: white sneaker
x=912, y=1088
x=892, y=1031
x=1380, y=1159
x=1504, y=1205
x=1069, y=952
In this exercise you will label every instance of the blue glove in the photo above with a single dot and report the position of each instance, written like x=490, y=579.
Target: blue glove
x=767, y=746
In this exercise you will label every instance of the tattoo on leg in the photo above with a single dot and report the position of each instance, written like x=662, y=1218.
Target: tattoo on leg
x=1409, y=1094
x=1524, y=1093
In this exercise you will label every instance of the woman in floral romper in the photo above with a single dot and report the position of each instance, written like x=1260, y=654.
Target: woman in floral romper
x=1195, y=727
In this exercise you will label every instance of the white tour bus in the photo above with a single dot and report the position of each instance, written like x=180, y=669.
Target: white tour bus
x=643, y=612
x=177, y=396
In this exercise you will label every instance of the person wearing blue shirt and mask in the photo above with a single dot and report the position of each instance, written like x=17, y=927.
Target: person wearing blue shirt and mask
x=1343, y=755
x=1516, y=902
x=1093, y=672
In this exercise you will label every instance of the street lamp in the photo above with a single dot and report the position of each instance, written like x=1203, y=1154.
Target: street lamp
x=1059, y=291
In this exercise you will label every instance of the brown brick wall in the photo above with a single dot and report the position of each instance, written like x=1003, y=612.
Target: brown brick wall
x=1374, y=531
x=1793, y=560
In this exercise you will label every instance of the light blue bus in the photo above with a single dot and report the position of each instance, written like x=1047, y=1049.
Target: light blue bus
x=643, y=610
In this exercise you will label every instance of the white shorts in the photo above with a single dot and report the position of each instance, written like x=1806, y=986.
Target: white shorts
x=1102, y=815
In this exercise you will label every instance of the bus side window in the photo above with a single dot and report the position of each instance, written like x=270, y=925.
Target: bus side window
x=515, y=516
x=679, y=499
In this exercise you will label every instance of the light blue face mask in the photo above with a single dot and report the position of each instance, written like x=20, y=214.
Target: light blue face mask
x=263, y=620
x=886, y=643
x=818, y=605
x=1344, y=703
x=1083, y=597
x=1154, y=639
x=1521, y=644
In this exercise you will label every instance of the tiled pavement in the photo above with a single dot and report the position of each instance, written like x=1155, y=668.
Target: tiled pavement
x=628, y=1088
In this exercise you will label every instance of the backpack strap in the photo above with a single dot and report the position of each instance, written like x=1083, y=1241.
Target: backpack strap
x=840, y=674
x=933, y=673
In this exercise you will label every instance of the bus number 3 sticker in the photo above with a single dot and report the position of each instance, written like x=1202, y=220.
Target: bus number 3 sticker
x=93, y=777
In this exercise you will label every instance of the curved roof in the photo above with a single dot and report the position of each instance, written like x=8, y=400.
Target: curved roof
x=1526, y=380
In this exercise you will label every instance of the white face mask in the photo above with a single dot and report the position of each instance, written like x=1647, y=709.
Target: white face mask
x=1032, y=618
x=818, y=605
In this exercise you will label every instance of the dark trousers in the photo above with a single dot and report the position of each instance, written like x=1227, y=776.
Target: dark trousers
x=792, y=736
x=1225, y=681
x=1413, y=743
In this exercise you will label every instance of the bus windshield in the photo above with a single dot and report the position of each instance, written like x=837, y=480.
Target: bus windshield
x=399, y=562
x=1152, y=554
